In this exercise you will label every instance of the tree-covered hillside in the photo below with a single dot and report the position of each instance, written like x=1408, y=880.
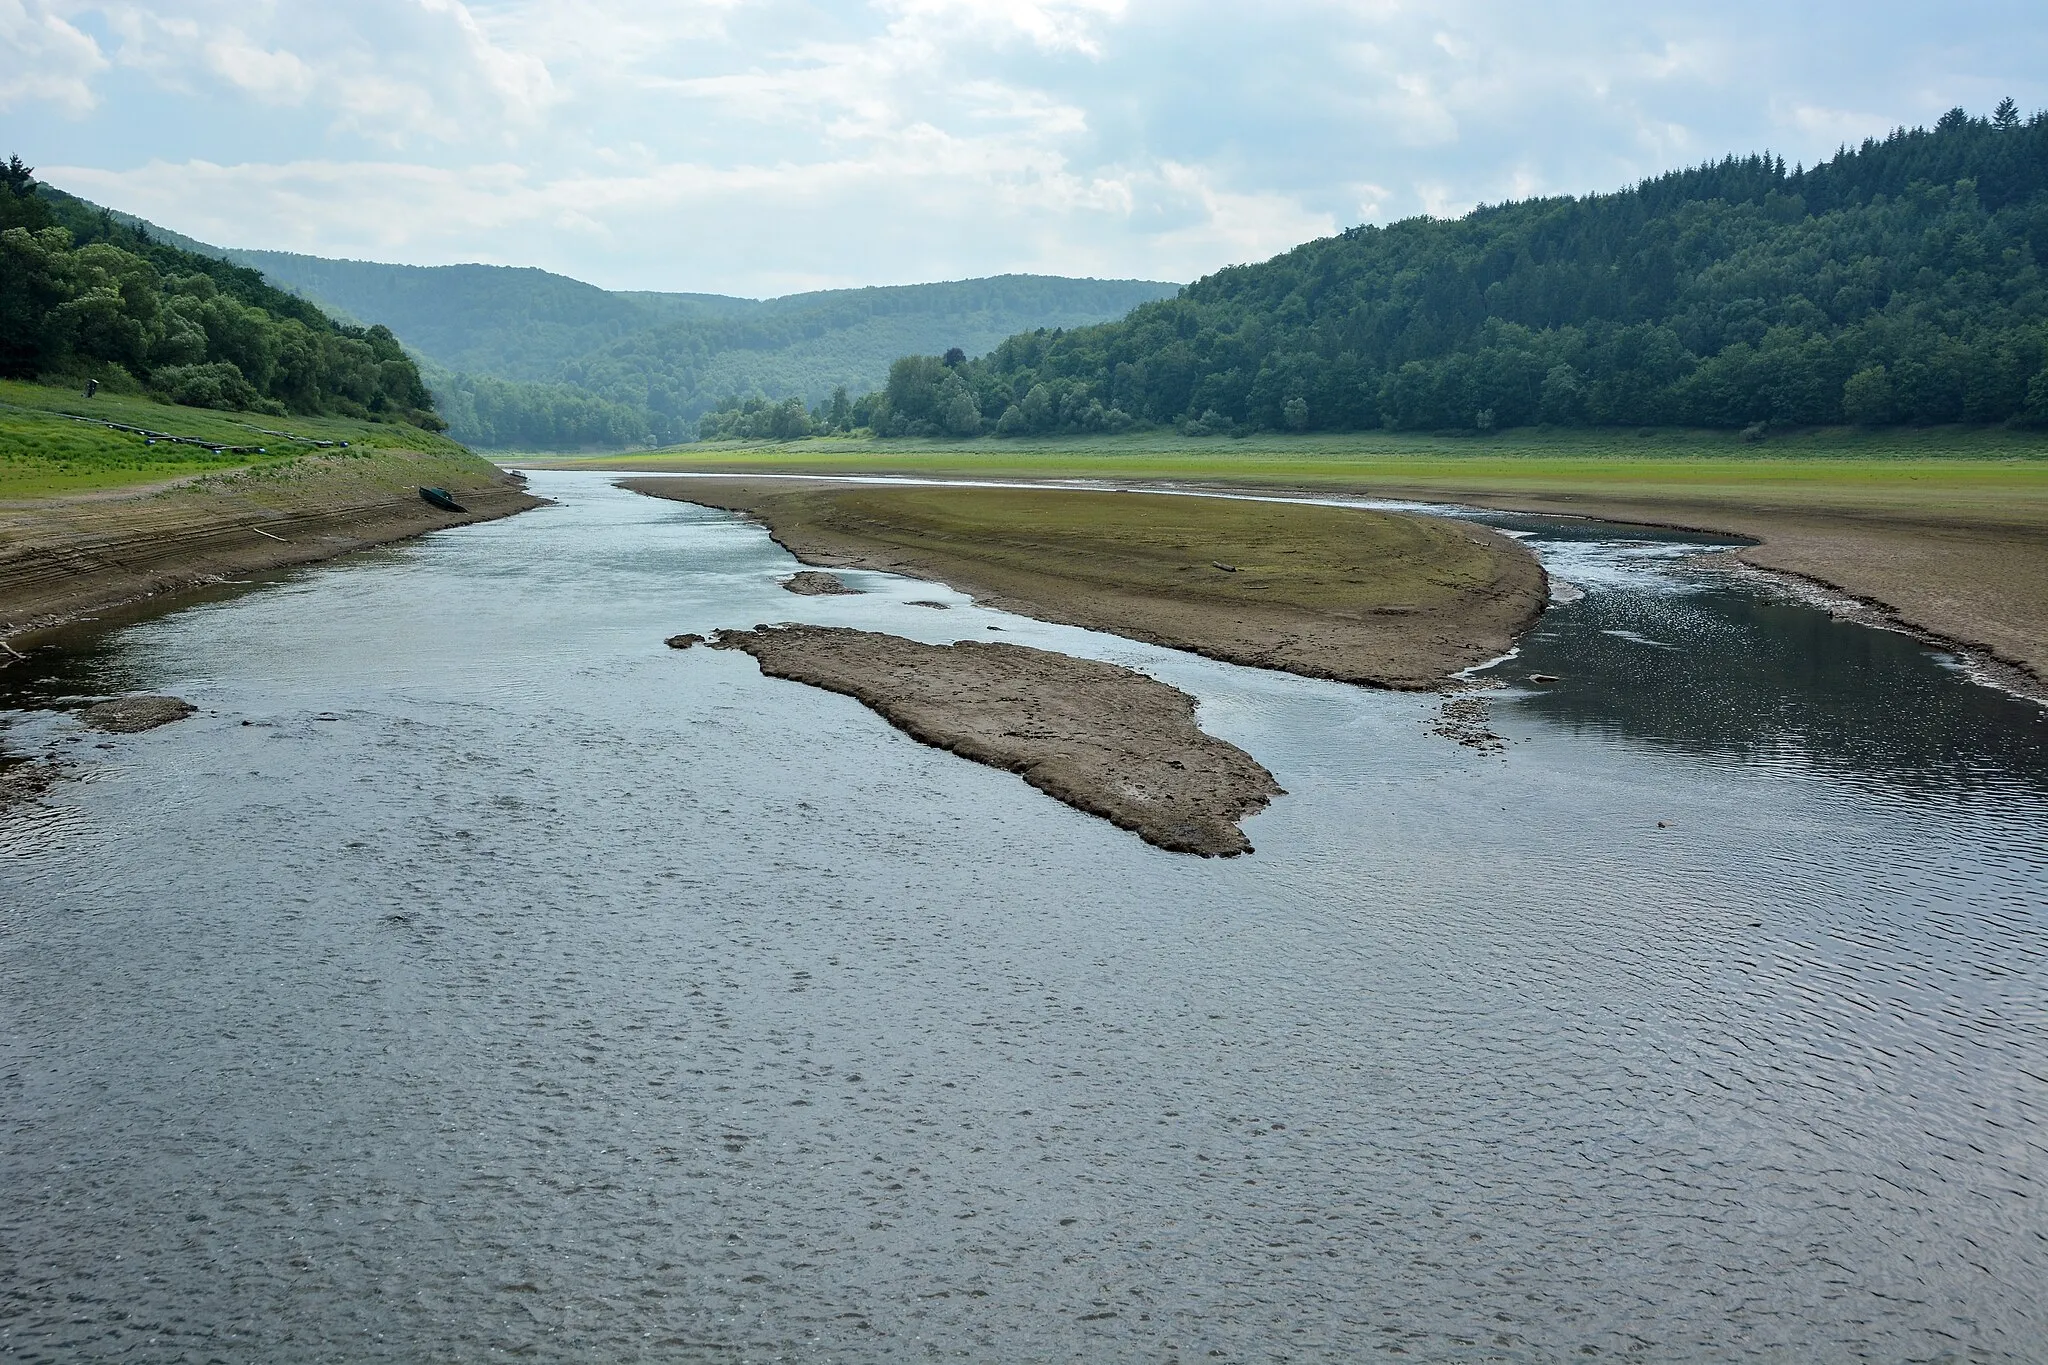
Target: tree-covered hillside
x=1898, y=282
x=86, y=295
x=524, y=358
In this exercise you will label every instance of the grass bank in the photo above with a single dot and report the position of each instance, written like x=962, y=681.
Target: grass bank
x=1999, y=475
x=54, y=441
x=91, y=517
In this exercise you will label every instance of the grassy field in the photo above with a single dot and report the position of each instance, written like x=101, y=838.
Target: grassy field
x=44, y=452
x=1345, y=448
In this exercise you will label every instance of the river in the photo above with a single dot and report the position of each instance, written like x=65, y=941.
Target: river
x=473, y=976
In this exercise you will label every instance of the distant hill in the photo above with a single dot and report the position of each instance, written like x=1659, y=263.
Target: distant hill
x=525, y=358
x=1901, y=281
x=520, y=358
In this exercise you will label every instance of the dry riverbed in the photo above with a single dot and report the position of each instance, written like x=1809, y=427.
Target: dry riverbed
x=1106, y=740
x=1385, y=599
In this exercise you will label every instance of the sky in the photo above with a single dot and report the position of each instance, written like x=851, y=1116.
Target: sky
x=761, y=147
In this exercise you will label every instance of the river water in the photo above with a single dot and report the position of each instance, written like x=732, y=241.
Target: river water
x=475, y=977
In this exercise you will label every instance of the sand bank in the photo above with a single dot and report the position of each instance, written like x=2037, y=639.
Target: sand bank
x=1105, y=740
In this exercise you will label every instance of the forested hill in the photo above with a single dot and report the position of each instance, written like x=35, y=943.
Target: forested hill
x=1898, y=282
x=525, y=358
x=86, y=295
x=506, y=321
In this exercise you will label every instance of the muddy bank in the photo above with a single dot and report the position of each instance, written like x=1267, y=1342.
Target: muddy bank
x=1106, y=740
x=1386, y=599
x=66, y=558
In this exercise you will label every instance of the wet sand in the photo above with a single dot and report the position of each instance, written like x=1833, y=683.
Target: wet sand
x=65, y=558
x=1106, y=740
x=1385, y=599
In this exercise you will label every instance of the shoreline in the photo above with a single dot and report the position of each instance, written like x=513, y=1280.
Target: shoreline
x=1968, y=584
x=1977, y=591
x=66, y=559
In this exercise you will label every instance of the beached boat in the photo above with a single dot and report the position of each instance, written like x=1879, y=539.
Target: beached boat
x=443, y=499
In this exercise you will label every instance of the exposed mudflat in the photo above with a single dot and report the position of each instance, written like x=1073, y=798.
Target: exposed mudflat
x=133, y=715
x=812, y=583
x=1386, y=599
x=1106, y=740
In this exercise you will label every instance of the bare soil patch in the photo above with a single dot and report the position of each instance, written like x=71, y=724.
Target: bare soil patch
x=811, y=583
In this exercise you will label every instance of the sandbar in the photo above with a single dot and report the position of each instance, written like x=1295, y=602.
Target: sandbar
x=1106, y=740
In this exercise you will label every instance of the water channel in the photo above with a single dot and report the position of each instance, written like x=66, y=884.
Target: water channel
x=475, y=977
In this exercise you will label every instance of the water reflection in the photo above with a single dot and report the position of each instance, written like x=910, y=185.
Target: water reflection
x=1710, y=667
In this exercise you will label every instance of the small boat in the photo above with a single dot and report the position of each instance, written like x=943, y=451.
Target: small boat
x=443, y=499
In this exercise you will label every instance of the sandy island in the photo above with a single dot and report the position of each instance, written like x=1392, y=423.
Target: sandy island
x=1380, y=598
x=1106, y=740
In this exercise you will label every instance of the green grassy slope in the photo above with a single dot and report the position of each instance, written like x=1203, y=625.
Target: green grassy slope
x=44, y=451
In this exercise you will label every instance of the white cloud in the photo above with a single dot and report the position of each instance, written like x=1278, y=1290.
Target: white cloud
x=48, y=61
x=273, y=77
x=1050, y=25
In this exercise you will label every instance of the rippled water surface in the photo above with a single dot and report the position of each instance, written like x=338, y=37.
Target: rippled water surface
x=474, y=976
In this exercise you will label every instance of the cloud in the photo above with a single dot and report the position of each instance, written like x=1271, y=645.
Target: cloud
x=395, y=72
x=753, y=145
x=272, y=77
x=48, y=60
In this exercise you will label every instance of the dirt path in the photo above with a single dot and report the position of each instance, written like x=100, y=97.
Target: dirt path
x=1385, y=599
x=1106, y=740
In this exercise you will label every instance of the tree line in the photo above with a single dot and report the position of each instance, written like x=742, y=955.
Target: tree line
x=83, y=295
x=1898, y=282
